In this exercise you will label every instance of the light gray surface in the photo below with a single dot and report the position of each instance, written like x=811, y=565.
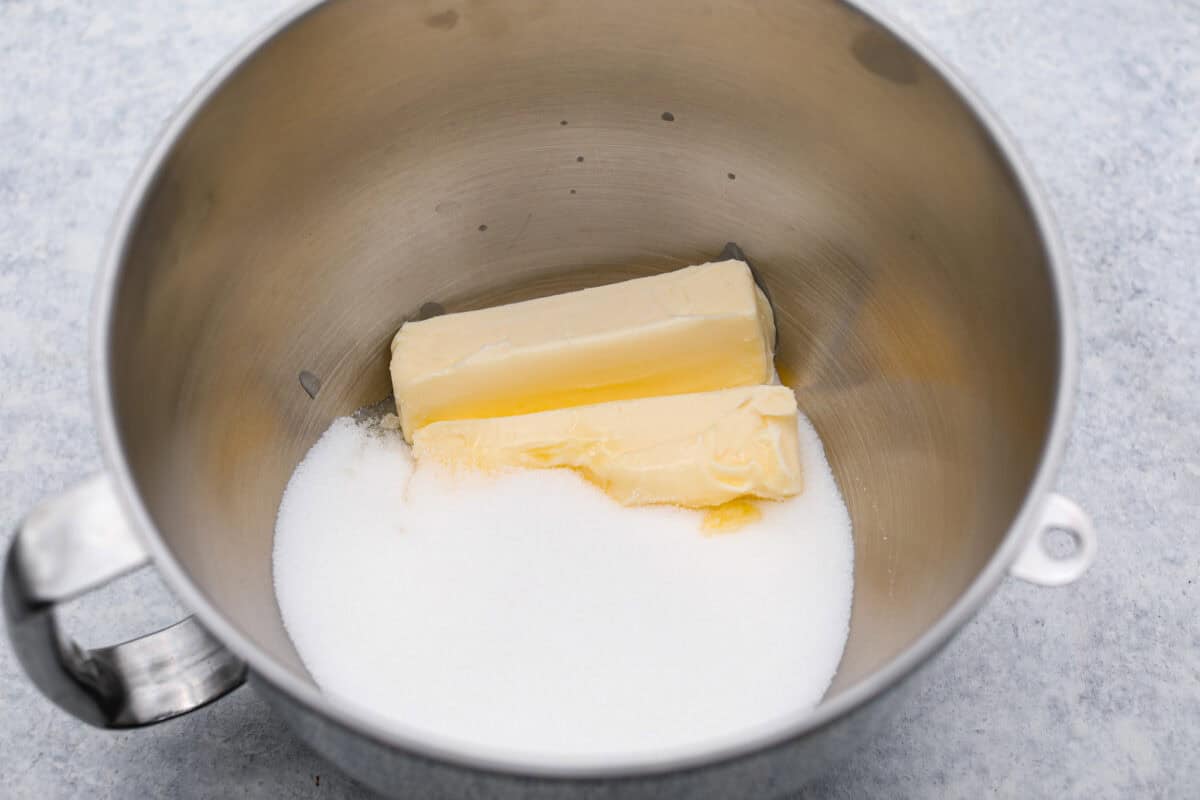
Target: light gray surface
x=1088, y=691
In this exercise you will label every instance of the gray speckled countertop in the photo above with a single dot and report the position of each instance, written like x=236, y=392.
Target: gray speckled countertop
x=1088, y=691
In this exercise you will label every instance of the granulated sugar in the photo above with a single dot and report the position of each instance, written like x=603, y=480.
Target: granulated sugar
x=529, y=614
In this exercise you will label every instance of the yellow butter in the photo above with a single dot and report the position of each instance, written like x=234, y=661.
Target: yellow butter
x=731, y=516
x=695, y=450
x=695, y=329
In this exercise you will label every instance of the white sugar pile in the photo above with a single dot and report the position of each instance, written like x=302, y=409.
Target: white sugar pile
x=529, y=614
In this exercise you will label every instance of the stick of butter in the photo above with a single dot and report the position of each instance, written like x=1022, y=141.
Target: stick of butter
x=695, y=450
x=691, y=330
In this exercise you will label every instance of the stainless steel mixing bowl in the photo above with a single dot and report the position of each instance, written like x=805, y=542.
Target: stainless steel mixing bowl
x=364, y=162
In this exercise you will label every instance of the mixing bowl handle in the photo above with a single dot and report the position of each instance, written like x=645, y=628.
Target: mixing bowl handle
x=69, y=545
x=1037, y=565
